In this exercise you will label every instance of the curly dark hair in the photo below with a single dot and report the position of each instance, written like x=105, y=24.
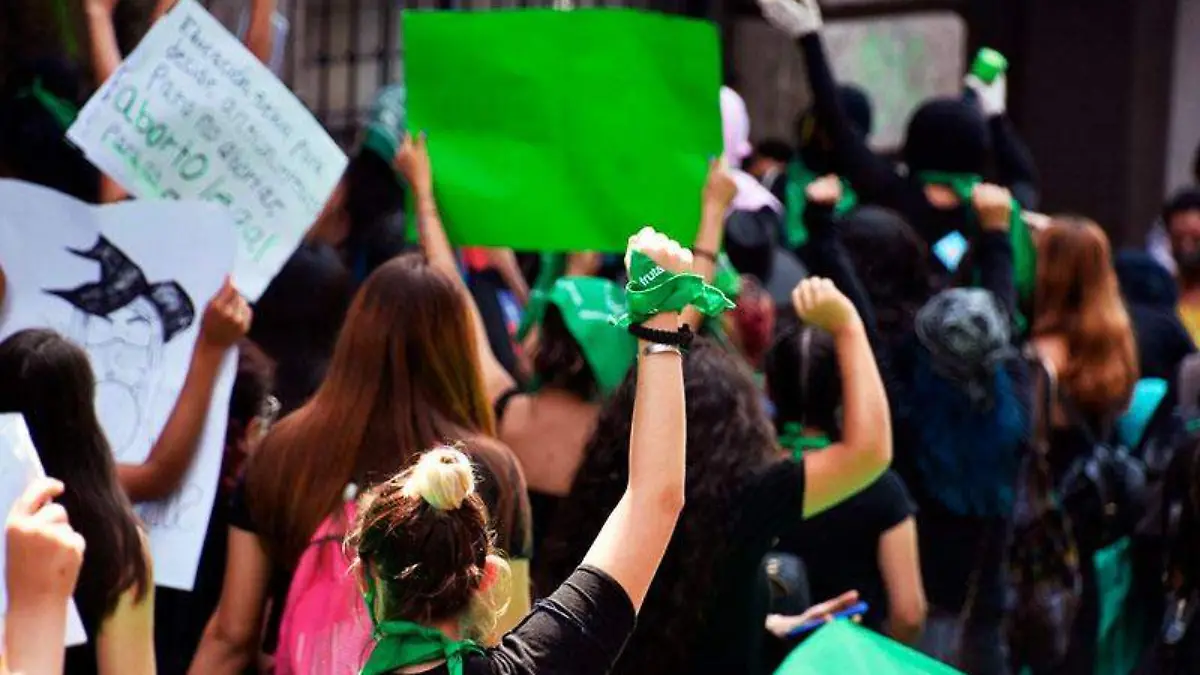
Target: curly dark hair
x=728, y=436
x=892, y=261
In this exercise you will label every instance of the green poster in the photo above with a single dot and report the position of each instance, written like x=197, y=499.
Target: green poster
x=845, y=648
x=564, y=130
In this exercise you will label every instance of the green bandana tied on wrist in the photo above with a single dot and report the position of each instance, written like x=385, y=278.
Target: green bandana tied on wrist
x=793, y=438
x=399, y=644
x=1024, y=252
x=653, y=290
x=799, y=177
x=385, y=131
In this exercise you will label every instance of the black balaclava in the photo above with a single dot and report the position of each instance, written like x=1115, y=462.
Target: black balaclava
x=813, y=145
x=949, y=136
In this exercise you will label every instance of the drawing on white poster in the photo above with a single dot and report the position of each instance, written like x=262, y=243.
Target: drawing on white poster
x=125, y=283
x=20, y=466
x=192, y=114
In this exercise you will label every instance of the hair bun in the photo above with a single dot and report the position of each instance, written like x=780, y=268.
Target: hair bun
x=443, y=477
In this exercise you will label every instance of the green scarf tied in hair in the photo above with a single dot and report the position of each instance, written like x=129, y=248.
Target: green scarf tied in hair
x=385, y=130
x=554, y=265
x=653, y=290
x=1024, y=252
x=587, y=304
x=799, y=177
x=63, y=111
x=399, y=644
x=794, y=438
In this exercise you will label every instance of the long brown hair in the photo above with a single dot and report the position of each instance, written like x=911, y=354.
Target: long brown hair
x=404, y=377
x=1079, y=299
x=48, y=379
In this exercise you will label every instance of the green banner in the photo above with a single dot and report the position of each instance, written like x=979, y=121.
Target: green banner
x=846, y=648
x=564, y=130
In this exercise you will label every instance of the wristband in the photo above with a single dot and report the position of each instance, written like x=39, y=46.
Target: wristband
x=656, y=348
x=681, y=338
x=707, y=255
x=653, y=290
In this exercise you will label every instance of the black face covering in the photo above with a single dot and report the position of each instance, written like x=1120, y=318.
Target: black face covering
x=947, y=135
x=1189, y=264
x=814, y=146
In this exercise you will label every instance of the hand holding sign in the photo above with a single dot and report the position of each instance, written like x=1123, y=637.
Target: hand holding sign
x=44, y=552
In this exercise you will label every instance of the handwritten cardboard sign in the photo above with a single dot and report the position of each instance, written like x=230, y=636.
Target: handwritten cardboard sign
x=192, y=114
x=129, y=283
x=19, y=466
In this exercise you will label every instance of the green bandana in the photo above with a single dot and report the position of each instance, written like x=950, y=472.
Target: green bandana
x=653, y=290
x=1024, y=253
x=552, y=268
x=385, y=130
x=726, y=278
x=799, y=177
x=399, y=644
x=587, y=304
x=63, y=111
x=793, y=438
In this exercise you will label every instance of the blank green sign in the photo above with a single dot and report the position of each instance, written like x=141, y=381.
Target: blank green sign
x=564, y=130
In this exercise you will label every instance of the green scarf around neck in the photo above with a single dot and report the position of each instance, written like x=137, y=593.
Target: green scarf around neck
x=1024, y=252
x=399, y=644
x=799, y=177
x=794, y=438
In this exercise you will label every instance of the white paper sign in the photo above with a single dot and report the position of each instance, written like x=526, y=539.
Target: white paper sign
x=19, y=466
x=192, y=114
x=128, y=283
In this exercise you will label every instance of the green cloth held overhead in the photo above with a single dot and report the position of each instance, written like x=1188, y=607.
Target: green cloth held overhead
x=385, y=130
x=653, y=290
x=587, y=305
x=554, y=157
x=845, y=648
x=1024, y=252
x=799, y=177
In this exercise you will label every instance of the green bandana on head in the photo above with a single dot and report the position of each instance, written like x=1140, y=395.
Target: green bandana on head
x=653, y=290
x=587, y=304
x=385, y=130
x=399, y=644
x=799, y=177
x=1024, y=253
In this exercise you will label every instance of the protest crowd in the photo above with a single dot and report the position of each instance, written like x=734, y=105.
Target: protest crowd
x=862, y=414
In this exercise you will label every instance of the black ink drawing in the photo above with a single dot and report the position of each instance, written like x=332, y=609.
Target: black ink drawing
x=124, y=322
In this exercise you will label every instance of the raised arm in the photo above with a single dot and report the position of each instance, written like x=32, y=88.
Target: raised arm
x=226, y=320
x=412, y=161
x=993, y=249
x=719, y=191
x=866, y=447
x=873, y=177
x=44, y=557
x=1014, y=162
x=633, y=540
x=106, y=58
x=259, y=34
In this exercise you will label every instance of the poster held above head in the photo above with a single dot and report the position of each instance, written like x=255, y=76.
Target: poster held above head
x=19, y=467
x=126, y=283
x=192, y=114
x=564, y=131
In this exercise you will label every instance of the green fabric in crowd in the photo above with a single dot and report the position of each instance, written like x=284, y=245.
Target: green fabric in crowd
x=552, y=268
x=845, y=648
x=653, y=290
x=63, y=111
x=1123, y=634
x=799, y=177
x=1024, y=252
x=726, y=278
x=612, y=129
x=385, y=130
x=587, y=305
